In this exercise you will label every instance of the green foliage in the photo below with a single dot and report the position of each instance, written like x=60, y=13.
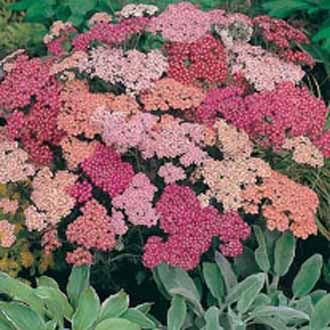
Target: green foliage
x=257, y=299
x=14, y=33
x=46, y=306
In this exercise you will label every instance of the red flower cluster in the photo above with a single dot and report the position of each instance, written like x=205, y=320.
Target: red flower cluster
x=107, y=171
x=200, y=61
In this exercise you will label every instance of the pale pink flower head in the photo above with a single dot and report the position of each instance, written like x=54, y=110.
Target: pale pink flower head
x=79, y=257
x=14, y=164
x=118, y=222
x=8, y=205
x=171, y=173
x=7, y=234
x=35, y=220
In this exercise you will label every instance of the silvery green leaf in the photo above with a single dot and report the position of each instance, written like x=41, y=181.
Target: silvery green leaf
x=307, y=276
x=261, y=253
x=248, y=295
x=213, y=279
x=227, y=272
x=285, y=248
x=212, y=318
x=253, y=281
x=321, y=315
x=177, y=313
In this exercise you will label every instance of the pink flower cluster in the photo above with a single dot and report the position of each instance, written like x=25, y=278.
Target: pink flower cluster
x=50, y=196
x=8, y=205
x=15, y=92
x=134, y=69
x=109, y=33
x=171, y=173
x=136, y=201
x=14, y=163
x=81, y=191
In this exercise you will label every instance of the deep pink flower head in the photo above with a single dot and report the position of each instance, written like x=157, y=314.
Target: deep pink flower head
x=201, y=61
x=25, y=80
x=108, y=171
x=226, y=100
x=284, y=37
x=270, y=116
x=191, y=228
x=81, y=191
x=110, y=33
x=323, y=143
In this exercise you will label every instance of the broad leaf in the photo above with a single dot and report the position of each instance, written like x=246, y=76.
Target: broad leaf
x=51, y=325
x=144, y=308
x=48, y=282
x=87, y=311
x=286, y=314
x=251, y=292
x=114, y=306
x=253, y=283
x=227, y=272
x=212, y=319
x=273, y=322
x=213, y=279
x=190, y=298
x=117, y=324
x=321, y=316
x=78, y=282
x=6, y=325
x=307, y=276
x=177, y=278
x=139, y=318
x=55, y=296
x=177, y=313
x=81, y=7
x=22, y=316
x=284, y=8
x=261, y=253
x=21, y=292
x=285, y=248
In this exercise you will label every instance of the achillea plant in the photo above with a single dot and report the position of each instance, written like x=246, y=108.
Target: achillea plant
x=167, y=122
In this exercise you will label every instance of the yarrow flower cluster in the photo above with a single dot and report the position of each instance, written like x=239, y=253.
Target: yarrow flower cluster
x=191, y=228
x=161, y=121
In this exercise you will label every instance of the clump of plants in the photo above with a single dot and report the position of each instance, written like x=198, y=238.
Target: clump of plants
x=162, y=137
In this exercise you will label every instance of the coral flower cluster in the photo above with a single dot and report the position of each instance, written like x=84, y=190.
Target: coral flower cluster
x=158, y=123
